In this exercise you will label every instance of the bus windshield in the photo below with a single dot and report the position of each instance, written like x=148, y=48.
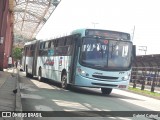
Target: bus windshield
x=105, y=53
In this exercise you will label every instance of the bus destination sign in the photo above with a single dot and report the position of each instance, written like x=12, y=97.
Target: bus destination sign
x=108, y=34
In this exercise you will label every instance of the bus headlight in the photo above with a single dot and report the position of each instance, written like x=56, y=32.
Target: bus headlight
x=127, y=77
x=82, y=72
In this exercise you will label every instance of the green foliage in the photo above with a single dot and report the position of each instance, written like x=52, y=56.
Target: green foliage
x=144, y=92
x=17, y=53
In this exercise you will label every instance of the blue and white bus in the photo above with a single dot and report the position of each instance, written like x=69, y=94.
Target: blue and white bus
x=86, y=58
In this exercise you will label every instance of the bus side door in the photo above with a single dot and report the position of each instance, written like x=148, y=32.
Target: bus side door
x=74, y=58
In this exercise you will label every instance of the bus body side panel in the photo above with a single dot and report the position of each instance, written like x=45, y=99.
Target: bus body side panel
x=53, y=69
x=63, y=64
x=53, y=65
x=29, y=63
x=49, y=70
x=24, y=58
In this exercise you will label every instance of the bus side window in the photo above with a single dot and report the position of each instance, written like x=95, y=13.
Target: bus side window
x=45, y=50
x=61, y=42
x=40, y=47
x=43, y=45
x=49, y=44
x=42, y=51
x=55, y=43
x=52, y=44
x=32, y=49
x=46, y=45
x=69, y=41
x=29, y=50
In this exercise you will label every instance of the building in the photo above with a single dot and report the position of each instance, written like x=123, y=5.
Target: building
x=147, y=61
x=6, y=31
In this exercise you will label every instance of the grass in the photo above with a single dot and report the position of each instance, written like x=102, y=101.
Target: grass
x=144, y=92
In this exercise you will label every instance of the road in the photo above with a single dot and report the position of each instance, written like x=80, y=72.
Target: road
x=48, y=96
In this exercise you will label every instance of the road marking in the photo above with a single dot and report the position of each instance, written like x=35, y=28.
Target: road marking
x=44, y=85
x=32, y=96
x=139, y=100
x=43, y=108
x=70, y=105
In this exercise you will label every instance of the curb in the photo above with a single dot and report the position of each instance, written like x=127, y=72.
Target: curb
x=18, y=106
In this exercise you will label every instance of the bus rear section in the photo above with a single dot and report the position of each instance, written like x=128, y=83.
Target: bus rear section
x=30, y=54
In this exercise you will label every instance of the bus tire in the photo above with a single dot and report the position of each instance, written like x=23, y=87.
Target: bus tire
x=64, y=84
x=106, y=91
x=40, y=75
x=27, y=74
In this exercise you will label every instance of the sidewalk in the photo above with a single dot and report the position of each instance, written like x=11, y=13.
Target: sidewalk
x=9, y=101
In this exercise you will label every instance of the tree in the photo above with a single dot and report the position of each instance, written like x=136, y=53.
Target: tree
x=17, y=53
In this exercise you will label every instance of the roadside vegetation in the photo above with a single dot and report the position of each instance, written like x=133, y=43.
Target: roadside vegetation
x=144, y=92
x=17, y=53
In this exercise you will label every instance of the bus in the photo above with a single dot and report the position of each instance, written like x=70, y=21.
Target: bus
x=92, y=58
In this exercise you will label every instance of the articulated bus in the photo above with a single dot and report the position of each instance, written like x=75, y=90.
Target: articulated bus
x=85, y=58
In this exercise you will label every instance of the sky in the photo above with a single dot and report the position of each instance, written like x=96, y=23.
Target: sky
x=141, y=17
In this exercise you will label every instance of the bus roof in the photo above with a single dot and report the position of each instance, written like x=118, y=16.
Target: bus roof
x=79, y=31
x=82, y=31
x=30, y=42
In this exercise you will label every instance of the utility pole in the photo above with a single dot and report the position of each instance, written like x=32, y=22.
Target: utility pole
x=133, y=32
x=94, y=24
x=143, y=48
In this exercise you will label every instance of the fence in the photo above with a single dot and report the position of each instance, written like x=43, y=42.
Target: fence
x=149, y=76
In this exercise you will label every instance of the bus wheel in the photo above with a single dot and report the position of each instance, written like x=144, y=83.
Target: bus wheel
x=106, y=91
x=40, y=75
x=64, y=81
x=27, y=74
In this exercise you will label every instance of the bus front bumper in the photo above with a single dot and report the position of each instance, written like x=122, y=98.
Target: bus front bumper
x=98, y=83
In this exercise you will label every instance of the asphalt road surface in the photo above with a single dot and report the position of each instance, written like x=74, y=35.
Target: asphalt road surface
x=48, y=96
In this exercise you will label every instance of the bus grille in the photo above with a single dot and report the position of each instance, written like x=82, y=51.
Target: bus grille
x=104, y=77
x=101, y=84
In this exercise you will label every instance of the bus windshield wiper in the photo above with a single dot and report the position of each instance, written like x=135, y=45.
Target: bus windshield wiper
x=98, y=65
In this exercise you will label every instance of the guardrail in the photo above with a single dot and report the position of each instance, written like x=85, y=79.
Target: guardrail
x=146, y=76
